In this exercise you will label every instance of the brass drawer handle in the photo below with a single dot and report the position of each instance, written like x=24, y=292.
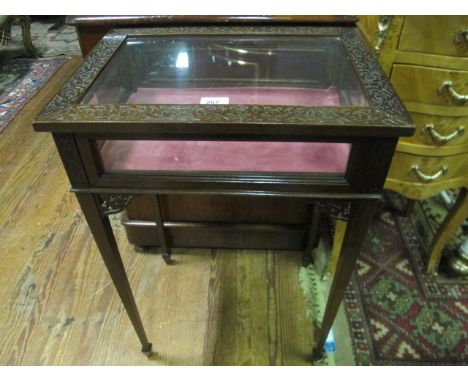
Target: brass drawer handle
x=382, y=30
x=460, y=37
x=462, y=98
x=428, y=178
x=438, y=138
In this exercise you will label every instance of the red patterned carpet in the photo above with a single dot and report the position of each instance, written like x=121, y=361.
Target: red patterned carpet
x=397, y=314
x=20, y=80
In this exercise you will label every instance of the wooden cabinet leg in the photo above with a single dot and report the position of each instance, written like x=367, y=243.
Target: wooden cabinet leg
x=104, y=237
x=25, y=22
x=454, y=219
x=312, y=238
x=361, y=215
x=338, y=237
x=160, y=230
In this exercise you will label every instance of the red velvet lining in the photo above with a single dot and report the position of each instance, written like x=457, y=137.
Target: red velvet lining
x=228, y=155
x=225, y=156
x=238, y=96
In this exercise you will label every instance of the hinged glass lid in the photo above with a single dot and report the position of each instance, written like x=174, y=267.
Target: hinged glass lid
x=239, y=70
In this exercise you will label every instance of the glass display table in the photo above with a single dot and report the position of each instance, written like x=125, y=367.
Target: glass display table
x=277, y=111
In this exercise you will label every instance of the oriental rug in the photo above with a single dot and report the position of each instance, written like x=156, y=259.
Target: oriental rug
x=20, y=80
x=397, y=314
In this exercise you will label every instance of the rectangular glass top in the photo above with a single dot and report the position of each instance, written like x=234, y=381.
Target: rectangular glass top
x=258, y=70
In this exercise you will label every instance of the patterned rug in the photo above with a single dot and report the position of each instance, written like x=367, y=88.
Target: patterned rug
x=20, y=80
x=397, y=314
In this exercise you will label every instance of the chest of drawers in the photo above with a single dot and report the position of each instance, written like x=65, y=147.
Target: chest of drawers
x=426, y=59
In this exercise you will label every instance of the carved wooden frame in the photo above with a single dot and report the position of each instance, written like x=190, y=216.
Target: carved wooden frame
x=385, y=109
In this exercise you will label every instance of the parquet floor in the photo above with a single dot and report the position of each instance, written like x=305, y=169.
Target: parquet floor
x=58, y=306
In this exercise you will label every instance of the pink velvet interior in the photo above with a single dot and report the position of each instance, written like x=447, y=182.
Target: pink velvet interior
x=229, y=155
x=238, y=96
x=225, y=156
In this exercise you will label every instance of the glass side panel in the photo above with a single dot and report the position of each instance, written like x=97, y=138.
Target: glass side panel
x=261, y=70
x=224, y=156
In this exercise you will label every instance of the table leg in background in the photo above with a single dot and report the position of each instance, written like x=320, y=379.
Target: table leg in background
x=160, y=230
x=449, y=226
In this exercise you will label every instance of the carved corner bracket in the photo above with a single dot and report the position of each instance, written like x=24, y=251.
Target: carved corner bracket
x=114, y=203
x=337, y=209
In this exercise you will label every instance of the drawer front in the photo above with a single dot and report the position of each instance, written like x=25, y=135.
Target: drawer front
x=430, y=85
x=427, y=169
x=442, y=35
x=437, y=132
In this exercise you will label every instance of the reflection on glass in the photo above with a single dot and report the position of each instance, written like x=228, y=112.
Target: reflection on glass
x=182, y=61
x=268, y=70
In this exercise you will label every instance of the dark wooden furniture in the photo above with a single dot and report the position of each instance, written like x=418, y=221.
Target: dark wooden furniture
x=281, y=111
x=211, y=220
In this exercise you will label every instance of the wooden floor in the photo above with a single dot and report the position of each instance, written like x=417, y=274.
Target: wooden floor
x=58, y=306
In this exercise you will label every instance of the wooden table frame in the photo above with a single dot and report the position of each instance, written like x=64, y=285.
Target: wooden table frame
x=372, y=130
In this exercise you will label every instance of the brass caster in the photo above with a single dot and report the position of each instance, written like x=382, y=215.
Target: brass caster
x=167, y=259
x=317, y=355
x=142, y=248
x=147, y=350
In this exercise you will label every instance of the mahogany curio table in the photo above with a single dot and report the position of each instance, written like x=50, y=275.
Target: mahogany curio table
x=264, y=111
